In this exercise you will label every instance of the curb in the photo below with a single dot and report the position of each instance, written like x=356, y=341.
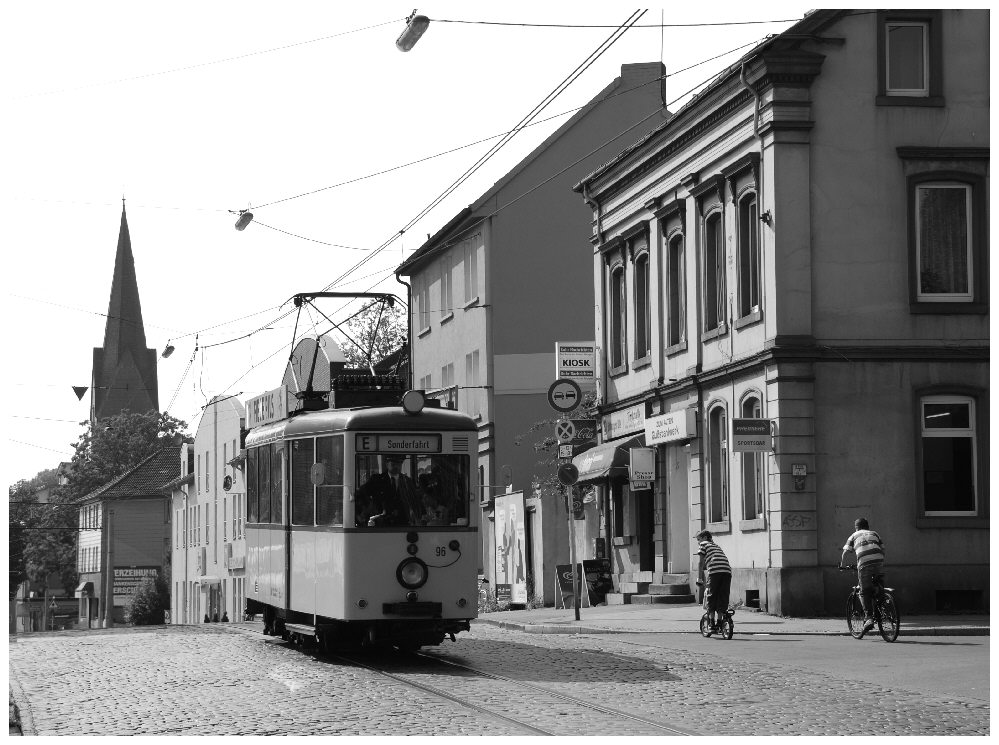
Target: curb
x=542, y=628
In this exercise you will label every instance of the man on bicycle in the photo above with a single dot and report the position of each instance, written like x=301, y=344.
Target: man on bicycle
x=717, y=577
x=870, y=551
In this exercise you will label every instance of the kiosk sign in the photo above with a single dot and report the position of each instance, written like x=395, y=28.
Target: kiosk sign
x=574, y=360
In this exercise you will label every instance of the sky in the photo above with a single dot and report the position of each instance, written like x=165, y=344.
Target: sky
x=306, y=114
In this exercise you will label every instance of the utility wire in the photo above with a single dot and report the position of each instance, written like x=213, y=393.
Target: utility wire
x=637, y=25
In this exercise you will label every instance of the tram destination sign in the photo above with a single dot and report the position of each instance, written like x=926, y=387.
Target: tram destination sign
x=267, y=407
x=409, y=442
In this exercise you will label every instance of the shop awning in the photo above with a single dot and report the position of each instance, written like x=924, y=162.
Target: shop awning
x=608, y=460
x=85, y=590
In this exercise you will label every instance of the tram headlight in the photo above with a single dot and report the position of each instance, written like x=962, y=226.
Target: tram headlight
x=412, y=573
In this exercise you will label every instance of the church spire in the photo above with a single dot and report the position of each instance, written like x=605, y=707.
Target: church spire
x=124, y=375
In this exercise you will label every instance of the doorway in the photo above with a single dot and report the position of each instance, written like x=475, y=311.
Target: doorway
x=645, y=513
x=677, y=525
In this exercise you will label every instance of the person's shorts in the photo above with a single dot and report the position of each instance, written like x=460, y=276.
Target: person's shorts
x=716, y=590
x=867, y=574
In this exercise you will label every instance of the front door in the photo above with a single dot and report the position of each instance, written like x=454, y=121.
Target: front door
x=645, y=506
x=678, y=529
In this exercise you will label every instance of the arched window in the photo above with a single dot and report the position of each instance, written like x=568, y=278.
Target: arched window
x=618, y=318
x=714, y=272
x=643, y=312
x=749, y=256
x=675, y=291
x=717, y=465
x=752, y=468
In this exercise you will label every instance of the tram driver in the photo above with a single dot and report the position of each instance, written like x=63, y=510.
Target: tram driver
x=389, y=498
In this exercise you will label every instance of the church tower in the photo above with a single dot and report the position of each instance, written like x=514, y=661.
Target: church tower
x=124, y=375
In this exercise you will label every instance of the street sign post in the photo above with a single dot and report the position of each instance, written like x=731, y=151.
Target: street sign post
x=567, y=476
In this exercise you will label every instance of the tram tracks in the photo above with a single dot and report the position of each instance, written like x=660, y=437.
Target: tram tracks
x=531, y=708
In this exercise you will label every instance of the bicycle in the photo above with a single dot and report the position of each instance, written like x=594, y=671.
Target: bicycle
x=885, y=610
x=726, y=627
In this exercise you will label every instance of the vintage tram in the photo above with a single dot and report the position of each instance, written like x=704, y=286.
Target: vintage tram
x=358, y=529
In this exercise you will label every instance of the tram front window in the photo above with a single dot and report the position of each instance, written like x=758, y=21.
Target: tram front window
x=411, y=490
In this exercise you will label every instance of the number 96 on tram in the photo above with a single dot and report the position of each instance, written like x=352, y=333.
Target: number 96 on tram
x=358, y=525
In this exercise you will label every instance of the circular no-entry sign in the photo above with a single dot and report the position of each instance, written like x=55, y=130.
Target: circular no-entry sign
x=564, y=395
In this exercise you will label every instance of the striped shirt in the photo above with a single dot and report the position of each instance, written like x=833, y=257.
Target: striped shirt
x=715, y=561
x=868, y=547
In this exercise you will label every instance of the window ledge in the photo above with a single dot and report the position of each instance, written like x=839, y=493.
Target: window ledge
x=623, y=540
x=722, y=527
x=471, y=303
x=949, y=308
x=477, y=417
x=953, y=522
x=747, y=320
x=640, y=363
x=935, y=101
x=714, y=333
x=616, y=371
x=748, y=525
x=423, y=332
x=447, y=317
x=676, y=348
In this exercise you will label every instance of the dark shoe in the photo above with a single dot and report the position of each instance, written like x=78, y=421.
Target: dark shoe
x=868, y=624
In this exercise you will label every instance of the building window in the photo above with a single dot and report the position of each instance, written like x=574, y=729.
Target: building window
x=426, y=383
x=447, y=375
x=717, y=465
x=752, y=468
x=676, y=292
x=470, y=266
x=910, y=58
x=472, y=383
x=714, y=272
x=749, y=256
x=423, y=303
x=643, y=312
x=943, y=242
x=198, y=475
x=447, y=295
x=949, y=456
x=618, y=319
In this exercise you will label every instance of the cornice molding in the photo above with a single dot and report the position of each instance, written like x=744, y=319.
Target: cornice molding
x=920, y=152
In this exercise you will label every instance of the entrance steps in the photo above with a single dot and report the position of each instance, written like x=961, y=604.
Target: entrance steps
x=650, y=588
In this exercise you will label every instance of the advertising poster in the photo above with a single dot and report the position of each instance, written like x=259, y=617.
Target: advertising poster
x=127, y=581
x=511, y=558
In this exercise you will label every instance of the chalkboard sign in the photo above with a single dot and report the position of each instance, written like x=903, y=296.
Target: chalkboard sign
x=598, y=579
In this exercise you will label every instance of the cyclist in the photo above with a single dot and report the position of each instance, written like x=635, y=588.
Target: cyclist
x=717, y=576
x=870, y=552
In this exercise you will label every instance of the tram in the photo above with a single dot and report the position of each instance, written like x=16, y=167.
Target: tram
x=357, y=526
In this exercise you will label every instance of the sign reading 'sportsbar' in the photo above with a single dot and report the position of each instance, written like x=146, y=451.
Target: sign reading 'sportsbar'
x=752, y=435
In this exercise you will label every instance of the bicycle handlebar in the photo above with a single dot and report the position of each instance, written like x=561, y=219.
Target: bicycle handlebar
x=847, y=567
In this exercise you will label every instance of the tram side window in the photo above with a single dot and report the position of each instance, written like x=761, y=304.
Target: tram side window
x=302, y=458
x=264, y=483
x=251, y=485
x=276, y=478
x=329, y=493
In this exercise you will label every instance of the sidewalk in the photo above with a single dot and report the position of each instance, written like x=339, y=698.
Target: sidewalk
x=685, y=619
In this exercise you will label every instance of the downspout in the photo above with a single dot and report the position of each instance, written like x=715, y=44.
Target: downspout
x=409, y=328
x=766, y=219
x=700, y=468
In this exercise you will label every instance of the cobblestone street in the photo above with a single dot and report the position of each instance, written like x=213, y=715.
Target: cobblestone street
x=216, y=680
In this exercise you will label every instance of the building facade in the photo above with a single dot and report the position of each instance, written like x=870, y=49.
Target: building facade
x=805, y=244
x=208, y=510
x=496, y=287
x=124, y=530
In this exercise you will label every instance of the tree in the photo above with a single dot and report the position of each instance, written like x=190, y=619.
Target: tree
x=374, y=334
x=115, y=444
x=150, y=602
x=38, y=543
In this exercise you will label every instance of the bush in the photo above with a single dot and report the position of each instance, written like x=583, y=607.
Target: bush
x=149, y=604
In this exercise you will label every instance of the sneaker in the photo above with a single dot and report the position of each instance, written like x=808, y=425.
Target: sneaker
x=868, y=624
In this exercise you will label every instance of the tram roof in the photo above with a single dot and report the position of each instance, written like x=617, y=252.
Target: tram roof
x=381, y=418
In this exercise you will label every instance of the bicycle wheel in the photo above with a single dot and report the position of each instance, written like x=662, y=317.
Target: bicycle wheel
x=705, y=626
x=727, y=627
x=888, y=618
x=855, y=616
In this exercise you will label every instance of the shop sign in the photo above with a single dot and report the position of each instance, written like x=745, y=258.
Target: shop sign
x=618, y=423
x=677, y=425
x=642, y=467
x=751, y=435
x=267, y=407
x=574, y=360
